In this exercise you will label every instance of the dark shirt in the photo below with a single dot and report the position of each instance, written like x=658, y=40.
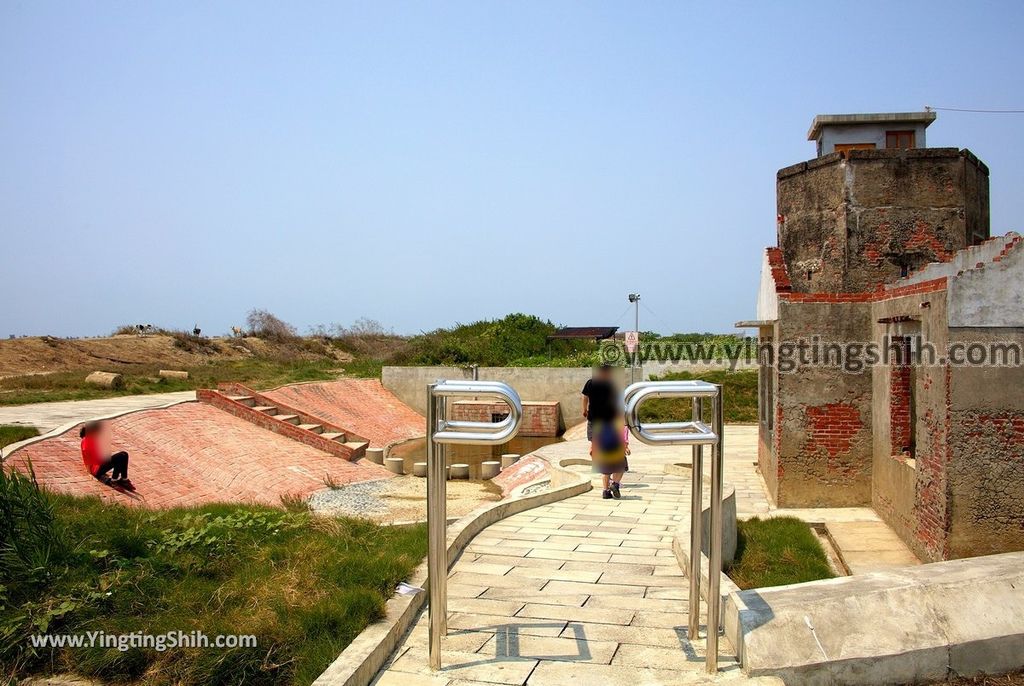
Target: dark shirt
x=603, y=401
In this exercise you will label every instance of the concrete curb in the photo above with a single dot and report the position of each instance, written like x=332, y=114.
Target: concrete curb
x=681, y=541
x=911, y=625
x=359, y=663
x=5, y=453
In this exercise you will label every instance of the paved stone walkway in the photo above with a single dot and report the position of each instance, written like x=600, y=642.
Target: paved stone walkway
x=584, y=590
x=48, y=416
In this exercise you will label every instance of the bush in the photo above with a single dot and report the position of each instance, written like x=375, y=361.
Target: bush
x=263, y=324
x=190, y=343
x=32, y=544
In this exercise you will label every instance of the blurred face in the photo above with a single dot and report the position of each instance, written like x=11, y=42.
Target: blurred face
x=103, y=435
x=605, y=374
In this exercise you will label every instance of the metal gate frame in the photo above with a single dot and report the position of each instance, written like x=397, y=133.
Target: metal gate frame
x=697, y=434
x=442, y=432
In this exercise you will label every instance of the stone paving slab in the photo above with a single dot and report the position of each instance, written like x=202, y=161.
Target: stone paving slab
x=565, y=598
x=589, y=573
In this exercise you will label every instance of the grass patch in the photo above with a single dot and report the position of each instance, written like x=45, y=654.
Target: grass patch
x=260, y=373
x=739, y=387
x=305, y=586
x=775, y=552
x=12, y=433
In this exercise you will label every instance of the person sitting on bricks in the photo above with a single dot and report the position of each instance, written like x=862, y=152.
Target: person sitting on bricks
x=98, y=460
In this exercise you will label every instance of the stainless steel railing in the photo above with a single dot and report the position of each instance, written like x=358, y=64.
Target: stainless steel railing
x=442, y=432
x=697, y=434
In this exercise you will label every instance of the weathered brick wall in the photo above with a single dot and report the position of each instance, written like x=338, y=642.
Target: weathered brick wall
x=900, y=436
x=909, y=491
x=823, y=415
x=986, y=448
x=848, y=224
x=539, y=418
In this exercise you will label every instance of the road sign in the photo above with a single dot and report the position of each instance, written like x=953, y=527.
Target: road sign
x=632, y=341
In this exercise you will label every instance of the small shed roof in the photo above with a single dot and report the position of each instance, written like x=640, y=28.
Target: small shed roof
x=889, y=118
x=596, y=333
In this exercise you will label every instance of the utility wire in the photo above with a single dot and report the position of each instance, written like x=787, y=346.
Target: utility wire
x=960, y=109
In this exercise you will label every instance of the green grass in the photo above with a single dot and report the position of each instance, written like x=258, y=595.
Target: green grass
x=739, y=388
x=775, y=552
x=262, y=373
x=12, y=433
x=304, y=586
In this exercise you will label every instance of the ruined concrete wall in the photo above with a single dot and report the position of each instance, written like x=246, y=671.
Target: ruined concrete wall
x=986, y=441
x=811, y=199
x=823, y=419
x=768, y=408
x=909, y=491
x=849, y=224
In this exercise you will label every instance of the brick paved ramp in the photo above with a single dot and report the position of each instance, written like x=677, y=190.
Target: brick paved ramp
x=363, y=406
x=192, y=454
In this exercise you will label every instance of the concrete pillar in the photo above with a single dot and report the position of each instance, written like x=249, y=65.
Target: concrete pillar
x=419, y=469
x=395, y=465
x=375, y=455
x=490, y=469
x=460, y=471
x=509, y=459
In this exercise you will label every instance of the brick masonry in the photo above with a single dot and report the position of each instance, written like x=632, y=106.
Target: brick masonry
x=362, y=405
x=192, y=454
x=221, y=401
x=539, y=418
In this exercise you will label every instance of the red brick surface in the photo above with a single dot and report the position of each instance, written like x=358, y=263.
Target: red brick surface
x=522, y=472
x=265, y=421
x=192, y=454
x=540, y=418
x=363, y=406
x=899, y=398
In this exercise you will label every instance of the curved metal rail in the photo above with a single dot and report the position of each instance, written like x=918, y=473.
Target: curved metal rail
x=697, y=434
x=441, y=432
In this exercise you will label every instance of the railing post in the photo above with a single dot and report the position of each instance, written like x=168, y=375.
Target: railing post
x=437, y=548
x=696, y=530
x=715, y=553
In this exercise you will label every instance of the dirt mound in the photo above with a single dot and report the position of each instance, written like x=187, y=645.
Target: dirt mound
x=46, y=354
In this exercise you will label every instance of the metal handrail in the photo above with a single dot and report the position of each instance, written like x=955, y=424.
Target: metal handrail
x=696, y=434
x=441, y=432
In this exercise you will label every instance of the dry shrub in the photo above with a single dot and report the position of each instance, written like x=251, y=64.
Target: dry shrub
x=367, y=338
x=265, y=325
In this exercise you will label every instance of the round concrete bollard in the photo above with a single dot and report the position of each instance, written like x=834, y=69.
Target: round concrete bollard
x=460, y=471
x=490, y=469
x=509, y=459
x=173, y=374
x=395, y=465
x=375, y=455
x=419, y=469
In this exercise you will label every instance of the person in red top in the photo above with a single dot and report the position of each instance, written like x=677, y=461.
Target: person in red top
x=98, y=460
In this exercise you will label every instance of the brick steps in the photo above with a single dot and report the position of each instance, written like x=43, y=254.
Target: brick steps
x=293, y=423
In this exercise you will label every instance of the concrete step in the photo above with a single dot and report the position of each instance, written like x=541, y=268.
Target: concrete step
x=247, y=400
x=265, y=409
x=356, y=445
x=334, y=436
x=315, y=428
x=290, y=418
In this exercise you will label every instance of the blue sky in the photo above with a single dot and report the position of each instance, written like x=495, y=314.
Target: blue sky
x=427, y=163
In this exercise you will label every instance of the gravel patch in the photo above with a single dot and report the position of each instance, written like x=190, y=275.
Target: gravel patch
x=399, y=499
